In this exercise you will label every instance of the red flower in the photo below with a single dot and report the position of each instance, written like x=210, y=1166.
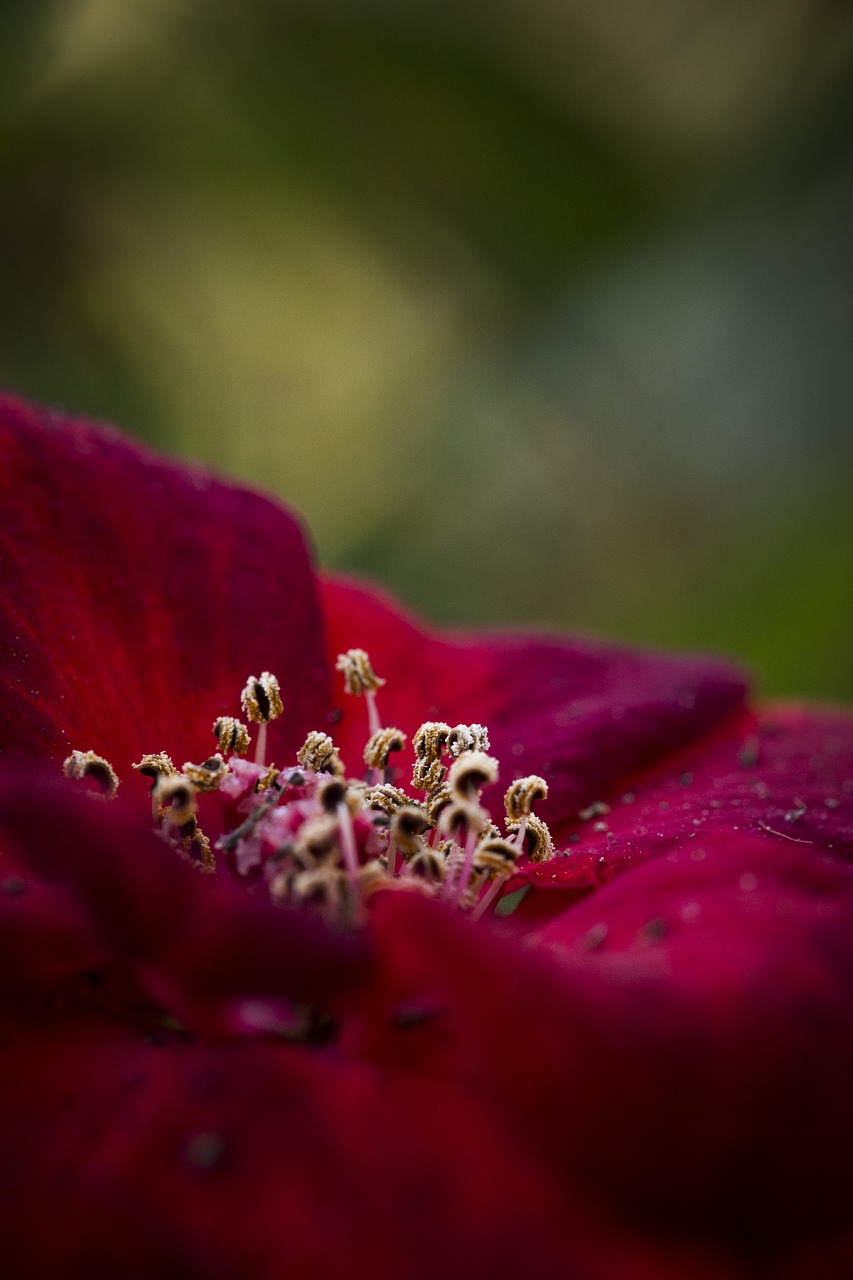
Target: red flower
x=636, y=1076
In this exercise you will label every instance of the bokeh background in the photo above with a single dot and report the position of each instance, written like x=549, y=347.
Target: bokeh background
x=539, y=310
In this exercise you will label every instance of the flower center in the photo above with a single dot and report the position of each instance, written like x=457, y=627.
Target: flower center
x=320, y=839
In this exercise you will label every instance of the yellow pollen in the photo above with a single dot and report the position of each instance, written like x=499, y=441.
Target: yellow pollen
x=313, y=837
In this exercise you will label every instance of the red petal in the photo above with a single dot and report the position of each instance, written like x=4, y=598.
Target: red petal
x=787, y=773
x=262, y=1161
x=583, y=714
x=197, y=944
x=686, y=1067
x=714, y=1040
x=137, y=596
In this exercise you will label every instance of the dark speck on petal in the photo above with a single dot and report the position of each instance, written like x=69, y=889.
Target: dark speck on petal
x=205, y=1151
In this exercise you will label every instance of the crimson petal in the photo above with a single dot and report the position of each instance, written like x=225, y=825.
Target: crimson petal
x=136, y=597
x=196, y=944
x=784, y=774
x=677, y=1049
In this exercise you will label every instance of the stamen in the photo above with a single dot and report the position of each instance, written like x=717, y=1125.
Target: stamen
x=197, y=847
x=86, y=764
x=360, y=678
x=371, y=878
x=462, y=815
x=232, y=736
x=495, y=859
x=261, y=702
x=428, y=775
x=437, y=802
x=320, y=755
x=349, y=850
x=405, y=833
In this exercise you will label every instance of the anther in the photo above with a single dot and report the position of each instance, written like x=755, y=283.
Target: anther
x=86, y=764
x=156, y=766
x=206, y=776
x=318, y=841
x=522, y=795
x=465, y=815
x=429, y=743
x=381, y=745
x=261, y=698
x=467, y=737
x=407, y=827
x=430, y=740
x=427, y=865
x=320, y=755
x=495, y=856
x=261, y=702
x=428, y=775
x=437, y=802
x=176, y=799
x=323, y=889
x=371, y=878
x=360, y=678
x=332, y=793
x=538, y=844
x=470, y=773
x=232, y=736
x=197, y=846
x=386, y=798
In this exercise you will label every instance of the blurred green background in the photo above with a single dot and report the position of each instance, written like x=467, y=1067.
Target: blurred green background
x=540, y=311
